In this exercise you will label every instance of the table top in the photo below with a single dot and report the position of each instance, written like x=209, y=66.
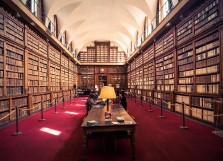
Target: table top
x=97, y=114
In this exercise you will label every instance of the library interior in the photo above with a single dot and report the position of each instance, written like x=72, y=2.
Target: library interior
x=111, y=80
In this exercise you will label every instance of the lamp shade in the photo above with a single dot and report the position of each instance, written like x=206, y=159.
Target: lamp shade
x=107, y=92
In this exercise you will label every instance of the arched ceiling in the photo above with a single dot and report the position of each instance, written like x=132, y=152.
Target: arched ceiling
x=86, y=21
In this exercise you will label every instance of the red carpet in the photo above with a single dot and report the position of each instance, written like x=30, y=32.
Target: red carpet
x=156, y=139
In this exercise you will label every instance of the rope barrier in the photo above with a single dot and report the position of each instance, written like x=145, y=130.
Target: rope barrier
x=7, y=115
x=187, y=106
x=29, y=108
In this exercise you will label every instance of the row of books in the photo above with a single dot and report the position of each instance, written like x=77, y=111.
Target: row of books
x=33, y=82
x=14, y=82
x=185, y=27
x=187, y=60
x=208, y=88
x=208, y=46
x=185, y=88
x=14, y=68
x=14, y=91
x=33, y=77
x=168, y=42
x=18, y=56
x=207, y=70
x=43, y=48
x=207, y=39
x=14, y=75
x=186, y=67
x=187, y=80
x=19, y=102
x=185, y=55
x=14, y=62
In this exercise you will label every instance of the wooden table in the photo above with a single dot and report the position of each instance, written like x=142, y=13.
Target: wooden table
x=97, y=113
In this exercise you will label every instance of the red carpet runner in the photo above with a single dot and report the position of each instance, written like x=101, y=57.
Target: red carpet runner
x=157, y=139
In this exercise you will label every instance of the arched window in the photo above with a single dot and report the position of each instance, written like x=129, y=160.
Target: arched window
x=164, y=7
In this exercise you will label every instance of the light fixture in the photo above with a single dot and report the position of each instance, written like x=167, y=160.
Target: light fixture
x=107, y=92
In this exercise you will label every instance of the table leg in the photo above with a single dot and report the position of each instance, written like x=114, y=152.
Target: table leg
x=132, y=140
x=85, y=144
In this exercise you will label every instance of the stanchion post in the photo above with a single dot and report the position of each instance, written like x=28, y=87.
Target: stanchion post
x=135, y=98
x=183, y=126
x=63, y=103
x=41, y=119
x=55, y=107
x=141, y=101
x=161, y=109
x=131, y=96
x=17, y=122
x=150, y=108
x=70, y=101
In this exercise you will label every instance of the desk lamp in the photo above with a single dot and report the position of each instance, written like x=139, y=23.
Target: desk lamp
x=107, y=92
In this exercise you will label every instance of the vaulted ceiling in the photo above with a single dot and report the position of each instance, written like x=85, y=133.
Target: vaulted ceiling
x=86, y=21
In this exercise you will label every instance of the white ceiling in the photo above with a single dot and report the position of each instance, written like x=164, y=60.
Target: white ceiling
x=86, y=21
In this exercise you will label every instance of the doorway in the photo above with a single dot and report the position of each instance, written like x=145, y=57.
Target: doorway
x=102, y=81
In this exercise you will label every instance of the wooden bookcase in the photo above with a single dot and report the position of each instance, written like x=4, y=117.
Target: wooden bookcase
x=31, y=70
x=33, y=73
x=207, y=53
x=184, y=64
x=102, y=52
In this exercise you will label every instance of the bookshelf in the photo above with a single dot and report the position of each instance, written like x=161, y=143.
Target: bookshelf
x=46, y=100
x=114, y=54
x=159, y=47
x=133, y=79
x=207, y=16
x=1, y=22
x=28, y=66
x=146, y=77
x=14, y=29
x=43, y=75
x=71, y=74
x=54, y=55
x=83, y=57
x=184, y=30
x=148, y=54
x=185, y=62
x=22, y=104
x=166, y=96
x=121, y=57
x=168, y=41
x=36, y=102
x=64, y=61
x=64, y=78
x=207, y=72
x=4, y=110
x=33, y=73
x=138, y=61
x=151, y=77
x=32, y=41
x=157, y=98
x=202, y=108
x=1, y=68
x=179, y=98
x=168, y=69
x=90, y=54
x=52, y=77
x=159, y=74
x=102, y=52
x=14, y=70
